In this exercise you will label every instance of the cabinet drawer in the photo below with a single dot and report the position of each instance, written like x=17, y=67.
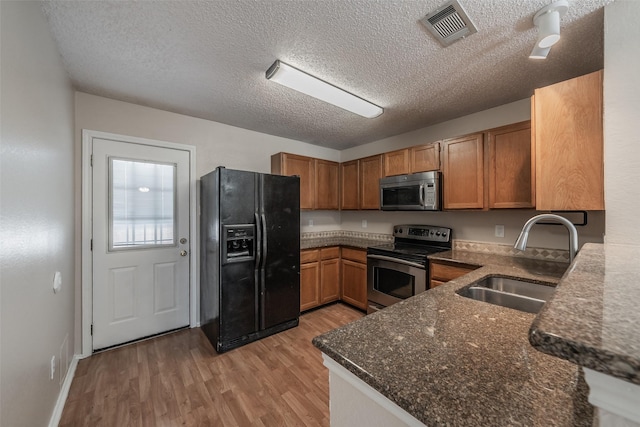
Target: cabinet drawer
x=357, y=255
x=309, y=255
x=445, y=272
x=435, y=283
x=330, y=253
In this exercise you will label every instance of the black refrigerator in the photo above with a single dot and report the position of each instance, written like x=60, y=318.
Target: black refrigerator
x=250, y=256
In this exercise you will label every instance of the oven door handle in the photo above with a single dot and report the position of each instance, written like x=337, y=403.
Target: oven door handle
x=397, y=260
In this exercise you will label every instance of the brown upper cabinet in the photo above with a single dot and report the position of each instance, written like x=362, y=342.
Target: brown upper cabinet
x=568, y=137
x=424, y=158
x=318, y=179
x=360, y=183
x=349, y=185
x=370, y=172
x=510, y=170
x=396, y=162
x=421, y=158
x=463, y=172
x=327, y=189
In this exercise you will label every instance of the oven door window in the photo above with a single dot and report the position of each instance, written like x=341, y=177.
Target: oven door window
x=395, y=283
x=401, y=196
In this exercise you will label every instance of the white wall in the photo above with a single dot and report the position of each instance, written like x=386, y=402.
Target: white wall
x=621, y=112
x=216, y=143
x=37, y=227
x=480, y=226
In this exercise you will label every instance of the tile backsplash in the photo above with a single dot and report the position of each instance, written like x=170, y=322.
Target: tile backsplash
x=558, y=255
x=546, y=254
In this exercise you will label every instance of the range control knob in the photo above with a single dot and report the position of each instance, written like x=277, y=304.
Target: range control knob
x=437, y=233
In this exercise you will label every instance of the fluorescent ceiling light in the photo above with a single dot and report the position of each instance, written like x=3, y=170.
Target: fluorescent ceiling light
x=298, y=80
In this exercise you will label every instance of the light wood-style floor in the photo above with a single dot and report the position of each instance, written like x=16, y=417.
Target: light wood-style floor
x=179, y=380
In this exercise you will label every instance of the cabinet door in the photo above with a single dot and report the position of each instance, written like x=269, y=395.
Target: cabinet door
x=396, y=162
x=511, y=183
x=349, y=187
x=329, y=280
x=304, y=167
x=463, y=172
x=326, y=184
x=309, y=285
x=567, y=127
x=370, y=174
x=354, y=283
x=424, y=158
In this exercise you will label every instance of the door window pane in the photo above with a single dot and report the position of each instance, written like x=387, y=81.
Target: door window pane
x=142, y=204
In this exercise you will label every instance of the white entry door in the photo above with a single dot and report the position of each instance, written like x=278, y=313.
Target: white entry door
x=140, y=241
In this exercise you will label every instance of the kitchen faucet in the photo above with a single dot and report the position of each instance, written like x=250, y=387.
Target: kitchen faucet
x=521, y=242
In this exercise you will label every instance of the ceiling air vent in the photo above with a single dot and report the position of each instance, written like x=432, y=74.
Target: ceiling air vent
x=449, y=23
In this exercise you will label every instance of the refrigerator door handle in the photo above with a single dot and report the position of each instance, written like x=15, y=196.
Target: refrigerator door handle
x=258, y=239
x=258, y=272
x=263, y=238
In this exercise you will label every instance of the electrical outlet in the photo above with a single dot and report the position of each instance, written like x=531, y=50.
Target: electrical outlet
x=499, y=230
x=53, y=367
x=364, y=223
x=310, y=223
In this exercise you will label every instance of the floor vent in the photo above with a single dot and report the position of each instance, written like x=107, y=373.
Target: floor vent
x=449, y=23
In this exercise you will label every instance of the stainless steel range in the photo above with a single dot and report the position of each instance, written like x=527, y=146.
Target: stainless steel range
x=399, y=270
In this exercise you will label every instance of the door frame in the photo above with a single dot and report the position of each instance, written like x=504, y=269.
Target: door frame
x=87, y=226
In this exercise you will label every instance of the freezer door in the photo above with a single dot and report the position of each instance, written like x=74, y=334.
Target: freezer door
x=239, y=295
x=280, y=251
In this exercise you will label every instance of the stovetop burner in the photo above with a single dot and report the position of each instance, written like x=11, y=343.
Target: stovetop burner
x=415, y=242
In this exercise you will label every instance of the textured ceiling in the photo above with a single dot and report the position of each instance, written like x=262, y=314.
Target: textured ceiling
x=208, y=59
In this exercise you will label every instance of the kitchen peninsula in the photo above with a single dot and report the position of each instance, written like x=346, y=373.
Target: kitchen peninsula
x=442, y=359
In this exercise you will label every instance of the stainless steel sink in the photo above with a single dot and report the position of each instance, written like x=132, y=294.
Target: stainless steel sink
x=511, y=293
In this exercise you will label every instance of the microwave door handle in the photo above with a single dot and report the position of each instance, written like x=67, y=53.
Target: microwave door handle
x=422, y=195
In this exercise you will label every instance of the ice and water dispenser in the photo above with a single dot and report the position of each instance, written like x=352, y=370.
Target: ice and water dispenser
x=239, y=243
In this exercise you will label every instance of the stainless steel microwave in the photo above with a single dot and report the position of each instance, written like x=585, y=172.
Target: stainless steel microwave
x=414, y=192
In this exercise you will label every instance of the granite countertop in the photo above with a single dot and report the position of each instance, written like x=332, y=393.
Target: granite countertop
x=324, y=242
x=342, y=238
x=593, y=317
x=450, y=360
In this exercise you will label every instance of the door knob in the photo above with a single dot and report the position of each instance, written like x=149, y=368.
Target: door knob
x=183, y=253
x=183, y=241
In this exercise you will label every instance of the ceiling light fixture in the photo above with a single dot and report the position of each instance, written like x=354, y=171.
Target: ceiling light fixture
x=295, y=79
x=548, y=22
x=539, y=53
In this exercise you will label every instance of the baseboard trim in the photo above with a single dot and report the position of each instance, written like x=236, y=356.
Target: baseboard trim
x=64, y=392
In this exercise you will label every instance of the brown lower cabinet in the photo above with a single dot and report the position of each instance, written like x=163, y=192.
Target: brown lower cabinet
x=325, y=277
x=440, y=272
x=354, y=277
x=319, y=277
